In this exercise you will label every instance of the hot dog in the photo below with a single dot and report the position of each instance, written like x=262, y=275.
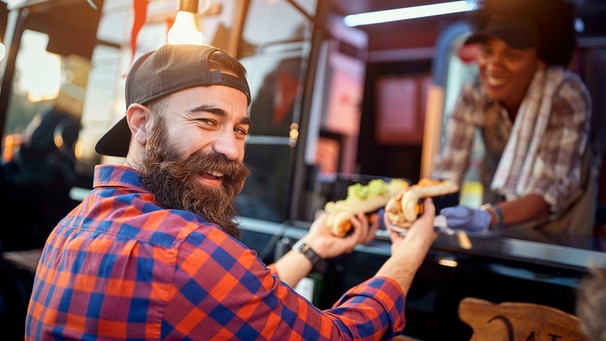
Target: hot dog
x=402, y=210
x=360, y=198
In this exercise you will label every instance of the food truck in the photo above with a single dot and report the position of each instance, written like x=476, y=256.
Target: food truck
x=333, y=105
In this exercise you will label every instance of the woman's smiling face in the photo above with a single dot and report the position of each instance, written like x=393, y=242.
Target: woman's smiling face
x=506, y=72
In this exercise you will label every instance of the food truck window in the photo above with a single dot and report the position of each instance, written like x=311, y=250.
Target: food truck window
x=452, y=67
x=44, y=86
x=276, y=42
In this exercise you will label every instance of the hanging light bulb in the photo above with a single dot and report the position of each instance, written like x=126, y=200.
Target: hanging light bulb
x=185, y=29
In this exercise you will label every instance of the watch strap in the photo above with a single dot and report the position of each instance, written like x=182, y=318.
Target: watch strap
x=318, y=263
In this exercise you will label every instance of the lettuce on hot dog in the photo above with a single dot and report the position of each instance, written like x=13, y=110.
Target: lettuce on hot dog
x=360, y=198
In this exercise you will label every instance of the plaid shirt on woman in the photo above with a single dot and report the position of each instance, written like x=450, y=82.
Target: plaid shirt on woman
x=121, y=267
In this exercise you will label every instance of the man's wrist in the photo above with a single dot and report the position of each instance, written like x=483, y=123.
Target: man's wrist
x=319, y=264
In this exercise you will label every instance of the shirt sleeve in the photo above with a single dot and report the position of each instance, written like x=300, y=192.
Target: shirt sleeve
x=221, y=288
x=272, y=268
x=453, y=159
x=557, y=170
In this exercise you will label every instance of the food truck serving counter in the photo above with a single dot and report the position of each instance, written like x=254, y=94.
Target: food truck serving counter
x=516, y=264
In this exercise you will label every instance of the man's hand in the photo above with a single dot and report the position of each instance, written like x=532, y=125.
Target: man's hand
x=327, y=245
x=409, y=251
x=293, y=266
x=462, y=217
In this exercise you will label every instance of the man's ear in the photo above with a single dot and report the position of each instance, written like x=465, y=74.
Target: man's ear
x=139, y=121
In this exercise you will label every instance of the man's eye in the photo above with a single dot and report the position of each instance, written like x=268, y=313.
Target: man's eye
x=241, y=131
x=207, y=121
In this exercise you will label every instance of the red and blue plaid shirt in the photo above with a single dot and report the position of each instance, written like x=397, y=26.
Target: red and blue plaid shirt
x=121, y=267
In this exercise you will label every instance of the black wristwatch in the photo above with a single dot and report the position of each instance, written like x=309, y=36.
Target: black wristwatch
x=319, y=264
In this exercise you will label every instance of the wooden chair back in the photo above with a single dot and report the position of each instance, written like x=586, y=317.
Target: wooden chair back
x=518, y=321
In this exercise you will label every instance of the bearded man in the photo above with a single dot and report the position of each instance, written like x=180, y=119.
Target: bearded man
x=152, y=251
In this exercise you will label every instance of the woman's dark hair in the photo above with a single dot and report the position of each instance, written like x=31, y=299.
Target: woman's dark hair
x=554, y=20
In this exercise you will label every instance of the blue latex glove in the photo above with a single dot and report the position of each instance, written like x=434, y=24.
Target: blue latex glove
x=381, y=213
x=462, y=217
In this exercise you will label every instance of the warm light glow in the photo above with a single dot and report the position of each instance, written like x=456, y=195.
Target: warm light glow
x=451, y=263
x=185, y=30
x=44, y=80
x=58, y=140
x=78, y=150
x=9, y=147
x=464, y=241
x=414, y=12
x=11, y=144
x=2, y=51
x=39, y=70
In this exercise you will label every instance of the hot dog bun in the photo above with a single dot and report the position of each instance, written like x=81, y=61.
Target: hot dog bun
x=402, y=210
x=360, y=198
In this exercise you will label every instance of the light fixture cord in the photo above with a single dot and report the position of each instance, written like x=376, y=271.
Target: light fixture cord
x=188, y=6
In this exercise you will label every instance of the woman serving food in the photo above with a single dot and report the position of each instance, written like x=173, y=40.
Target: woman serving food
x=534, y=118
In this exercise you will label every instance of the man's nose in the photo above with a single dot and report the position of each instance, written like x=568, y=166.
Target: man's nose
x=227, y=145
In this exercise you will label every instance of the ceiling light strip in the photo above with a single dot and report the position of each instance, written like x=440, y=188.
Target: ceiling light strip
x=406, y=13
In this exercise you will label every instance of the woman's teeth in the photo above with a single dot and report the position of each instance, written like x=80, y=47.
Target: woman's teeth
x=495, y=81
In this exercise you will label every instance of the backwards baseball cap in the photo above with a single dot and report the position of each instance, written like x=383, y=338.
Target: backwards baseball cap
x=171, y=68
x=517, y=32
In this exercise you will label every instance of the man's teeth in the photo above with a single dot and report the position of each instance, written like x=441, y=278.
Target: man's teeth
x=216, y=174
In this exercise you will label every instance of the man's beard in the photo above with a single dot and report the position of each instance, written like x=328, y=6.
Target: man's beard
x=173, y=181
